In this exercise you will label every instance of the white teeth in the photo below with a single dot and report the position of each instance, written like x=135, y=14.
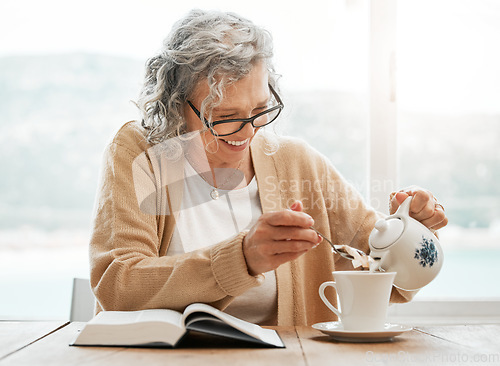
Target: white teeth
x=236, y=143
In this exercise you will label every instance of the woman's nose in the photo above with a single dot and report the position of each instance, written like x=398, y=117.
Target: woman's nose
x=247, y=131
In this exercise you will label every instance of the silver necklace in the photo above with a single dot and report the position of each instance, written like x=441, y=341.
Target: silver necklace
x=214, y=193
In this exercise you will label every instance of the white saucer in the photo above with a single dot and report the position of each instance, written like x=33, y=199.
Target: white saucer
x=337, y=332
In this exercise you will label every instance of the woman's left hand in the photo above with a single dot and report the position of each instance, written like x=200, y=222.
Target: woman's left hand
x=424, y=207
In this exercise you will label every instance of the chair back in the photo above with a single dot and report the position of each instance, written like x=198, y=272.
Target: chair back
x=82, y=301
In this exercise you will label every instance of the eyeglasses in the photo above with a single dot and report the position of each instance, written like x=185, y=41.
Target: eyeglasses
x=227, y=127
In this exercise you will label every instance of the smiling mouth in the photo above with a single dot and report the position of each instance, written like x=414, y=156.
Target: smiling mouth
x=236, y=143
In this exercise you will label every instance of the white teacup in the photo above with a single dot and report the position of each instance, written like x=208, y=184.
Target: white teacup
x=363, y=297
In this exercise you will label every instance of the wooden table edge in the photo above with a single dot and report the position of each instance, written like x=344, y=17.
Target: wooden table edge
x=64, y=324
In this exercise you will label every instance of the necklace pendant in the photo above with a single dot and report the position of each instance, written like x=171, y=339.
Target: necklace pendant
x=214, y=194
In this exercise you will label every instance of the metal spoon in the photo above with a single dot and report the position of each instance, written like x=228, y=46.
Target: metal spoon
x=337, y=248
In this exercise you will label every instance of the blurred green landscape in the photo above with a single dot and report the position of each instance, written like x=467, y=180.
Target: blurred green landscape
x=58, y=111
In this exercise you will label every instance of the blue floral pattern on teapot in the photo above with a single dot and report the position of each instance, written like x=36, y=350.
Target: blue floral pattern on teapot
x=427, y=253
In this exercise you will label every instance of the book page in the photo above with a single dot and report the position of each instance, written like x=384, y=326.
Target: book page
x=133, y=328
x=267, y=336
x=166, y=315
x=131, y=317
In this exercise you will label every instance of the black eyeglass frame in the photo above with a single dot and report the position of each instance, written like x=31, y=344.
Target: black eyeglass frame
x=243, y=121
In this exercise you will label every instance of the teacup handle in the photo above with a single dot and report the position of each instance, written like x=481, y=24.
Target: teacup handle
x=322, y=288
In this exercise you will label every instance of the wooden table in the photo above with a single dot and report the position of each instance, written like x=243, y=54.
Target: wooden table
x=43, y=343
x=14, y=336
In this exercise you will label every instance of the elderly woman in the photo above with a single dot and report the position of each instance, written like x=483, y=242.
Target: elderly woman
x=198, y=203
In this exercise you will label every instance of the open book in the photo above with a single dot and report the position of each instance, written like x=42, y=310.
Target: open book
x=165, y=328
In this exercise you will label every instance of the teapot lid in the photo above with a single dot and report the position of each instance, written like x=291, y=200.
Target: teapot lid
x=386, y=232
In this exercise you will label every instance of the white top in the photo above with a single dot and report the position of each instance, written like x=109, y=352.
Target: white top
x=203, y=221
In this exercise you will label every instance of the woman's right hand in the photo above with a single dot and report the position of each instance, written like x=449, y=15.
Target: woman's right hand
x=279, y=237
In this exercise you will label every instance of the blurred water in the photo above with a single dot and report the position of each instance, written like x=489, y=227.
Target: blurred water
x=41, y=288
x=37, y=283
x=466, y=273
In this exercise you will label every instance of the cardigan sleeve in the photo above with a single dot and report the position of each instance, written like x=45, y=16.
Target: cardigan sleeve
x=126, y=269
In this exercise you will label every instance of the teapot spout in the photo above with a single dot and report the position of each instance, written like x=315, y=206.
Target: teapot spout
x=404, y=208
x=379, y=258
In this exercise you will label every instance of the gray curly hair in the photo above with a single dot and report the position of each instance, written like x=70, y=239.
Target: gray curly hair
x=205, y=45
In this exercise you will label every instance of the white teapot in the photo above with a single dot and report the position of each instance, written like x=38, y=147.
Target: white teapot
x=407, y=247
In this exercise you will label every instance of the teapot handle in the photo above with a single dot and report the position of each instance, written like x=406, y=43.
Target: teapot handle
x=404, y=208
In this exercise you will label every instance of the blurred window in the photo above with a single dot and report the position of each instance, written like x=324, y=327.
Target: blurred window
x=449, y=132
x=66, y=87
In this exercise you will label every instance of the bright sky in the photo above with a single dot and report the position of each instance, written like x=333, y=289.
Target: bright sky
x=303, y=36
x=448, y=53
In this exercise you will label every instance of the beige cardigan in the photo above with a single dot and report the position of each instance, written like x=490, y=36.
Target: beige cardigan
x=140, y=192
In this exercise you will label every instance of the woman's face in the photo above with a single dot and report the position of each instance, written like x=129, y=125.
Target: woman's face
x=243, y=99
